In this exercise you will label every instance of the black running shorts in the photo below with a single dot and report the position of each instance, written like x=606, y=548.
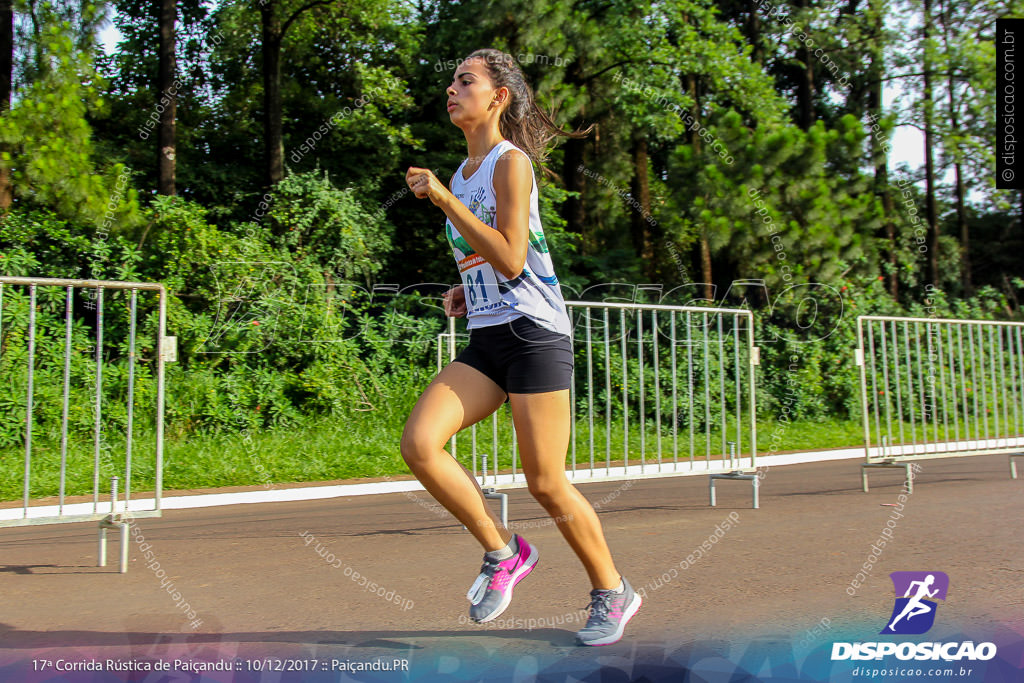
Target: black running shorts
x=520, y=356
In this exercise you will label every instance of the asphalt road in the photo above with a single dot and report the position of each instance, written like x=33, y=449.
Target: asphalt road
x=767, y=596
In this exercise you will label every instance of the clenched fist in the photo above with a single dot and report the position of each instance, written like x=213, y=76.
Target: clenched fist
x=455, y=302
x=424, y=183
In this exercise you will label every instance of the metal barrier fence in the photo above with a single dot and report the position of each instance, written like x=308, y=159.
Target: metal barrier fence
x=658, y=391
x=938, y=388
x=30, y=311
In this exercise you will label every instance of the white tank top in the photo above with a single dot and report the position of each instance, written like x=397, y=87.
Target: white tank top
x=492, y=299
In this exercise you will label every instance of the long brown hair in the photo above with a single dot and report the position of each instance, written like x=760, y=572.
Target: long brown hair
x=522, y=122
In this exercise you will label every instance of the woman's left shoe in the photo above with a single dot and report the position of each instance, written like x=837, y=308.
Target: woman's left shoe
x=609, y=614
x=491, y=593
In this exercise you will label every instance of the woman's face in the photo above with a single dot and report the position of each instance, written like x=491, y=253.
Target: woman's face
x=472, y=97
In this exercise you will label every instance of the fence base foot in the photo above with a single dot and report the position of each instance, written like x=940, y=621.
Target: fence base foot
x=492, y=494
x=1013, y=464
x=737, y=475
x=112, y=523
x=906, y=466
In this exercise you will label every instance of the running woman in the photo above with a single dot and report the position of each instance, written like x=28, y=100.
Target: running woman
x=520, y=347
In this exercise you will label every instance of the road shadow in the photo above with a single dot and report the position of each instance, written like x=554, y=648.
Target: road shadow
x=12, y=638
x=29, y=569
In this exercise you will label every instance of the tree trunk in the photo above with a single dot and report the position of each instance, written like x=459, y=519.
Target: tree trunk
x=705, y=264
x=879, y=157
x=574, y=212
x=965, y=247
x=959, y=190
x=272, y=136
x=857, y=89
x=882, y=177
x=805, y=82
x=753, y=26
x=168, y=98
x=694, y=141
x=641, y=192
x=575, y=181
x=6, y=86
x=929, y=162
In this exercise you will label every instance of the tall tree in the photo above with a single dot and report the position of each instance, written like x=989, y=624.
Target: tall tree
x=779, y=212
x=928, y=112
x=168, y=98
x=274, y=31
x=752, y=29
x=574, y=151
x=694, y=141
x=640, y=227
x=273, y=145
x=718, y=80
x=805, y=74
x=953, y=103
x=6, y=87
x=966, y=61
x=879, y=136
x=50, y=142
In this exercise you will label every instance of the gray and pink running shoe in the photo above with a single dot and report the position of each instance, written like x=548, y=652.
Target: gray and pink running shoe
x=491, y=593
x=609, y=614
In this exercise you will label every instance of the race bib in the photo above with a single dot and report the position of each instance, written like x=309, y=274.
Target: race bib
x=481, y=284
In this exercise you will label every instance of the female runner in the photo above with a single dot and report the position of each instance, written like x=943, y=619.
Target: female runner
x=520, y=345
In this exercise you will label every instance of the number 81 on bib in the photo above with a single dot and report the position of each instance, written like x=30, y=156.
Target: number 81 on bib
x=478, y=277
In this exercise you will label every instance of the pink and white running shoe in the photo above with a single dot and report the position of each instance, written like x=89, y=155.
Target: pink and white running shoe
x=491, y=593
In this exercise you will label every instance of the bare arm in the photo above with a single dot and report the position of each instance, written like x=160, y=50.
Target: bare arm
x=503, y=246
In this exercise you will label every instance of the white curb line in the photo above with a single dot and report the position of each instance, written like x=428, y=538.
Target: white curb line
x=503, y=481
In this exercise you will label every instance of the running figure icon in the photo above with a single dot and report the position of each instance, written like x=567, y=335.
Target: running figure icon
x=915, y=607
x=916, y=596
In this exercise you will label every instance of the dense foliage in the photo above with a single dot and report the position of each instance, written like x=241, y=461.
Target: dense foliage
x=732, y=161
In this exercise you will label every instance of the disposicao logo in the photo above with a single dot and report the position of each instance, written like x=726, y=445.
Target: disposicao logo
x=913, y=614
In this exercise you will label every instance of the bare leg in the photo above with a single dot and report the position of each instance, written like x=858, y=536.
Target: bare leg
x=920, y=609
x=458, y=397
x=542, y=426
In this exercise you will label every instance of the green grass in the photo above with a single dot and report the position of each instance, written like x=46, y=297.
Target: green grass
x=808, y=435
x=365, y=445
x=360, y=445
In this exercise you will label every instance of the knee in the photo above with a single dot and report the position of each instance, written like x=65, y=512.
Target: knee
x=417, y=444
x=411, y=445
x=549, y=491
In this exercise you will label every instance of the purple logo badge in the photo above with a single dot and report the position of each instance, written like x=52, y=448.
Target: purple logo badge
x=914, y=611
